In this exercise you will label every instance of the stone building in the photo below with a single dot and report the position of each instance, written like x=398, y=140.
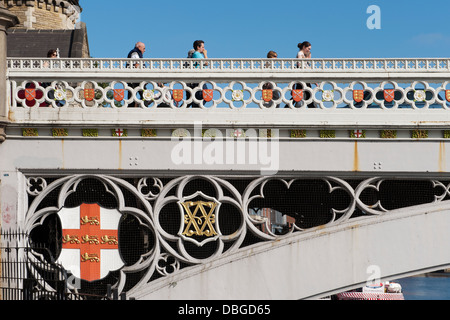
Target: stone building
x=45, y=25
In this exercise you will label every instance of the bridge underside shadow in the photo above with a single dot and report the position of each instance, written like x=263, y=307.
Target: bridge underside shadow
x=322, y=261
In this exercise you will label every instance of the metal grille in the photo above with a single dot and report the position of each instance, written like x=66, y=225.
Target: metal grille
x=23, y=279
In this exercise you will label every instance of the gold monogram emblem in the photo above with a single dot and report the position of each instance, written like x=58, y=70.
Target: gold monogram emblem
x=199, y=222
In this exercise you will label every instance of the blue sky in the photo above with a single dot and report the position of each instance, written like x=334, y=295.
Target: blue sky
x=250, y=28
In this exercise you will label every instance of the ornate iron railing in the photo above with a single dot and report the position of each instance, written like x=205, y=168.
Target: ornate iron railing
x=234, y=65
x=227, y=92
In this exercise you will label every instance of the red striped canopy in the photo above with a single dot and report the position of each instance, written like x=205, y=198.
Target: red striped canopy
x=370, y=296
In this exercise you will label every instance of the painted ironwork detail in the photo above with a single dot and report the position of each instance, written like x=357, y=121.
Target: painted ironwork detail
x=90, y=241
x=236, y=95
x=35, y=185
x=169, y=224
x=199, y=219
x=109, y=65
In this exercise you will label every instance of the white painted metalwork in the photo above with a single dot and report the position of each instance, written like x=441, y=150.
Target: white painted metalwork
x=148, y=95
x=248, y=92
x=235, y=65
x=149, y=211
x=52, y=103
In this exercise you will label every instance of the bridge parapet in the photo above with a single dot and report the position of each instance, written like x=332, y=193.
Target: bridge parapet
x=335, y=101
x=261, y=93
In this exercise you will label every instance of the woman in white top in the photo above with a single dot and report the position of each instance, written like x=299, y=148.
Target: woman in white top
x=304, y=53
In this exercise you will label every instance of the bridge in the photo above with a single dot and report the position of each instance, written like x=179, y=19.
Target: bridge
x=233, y=178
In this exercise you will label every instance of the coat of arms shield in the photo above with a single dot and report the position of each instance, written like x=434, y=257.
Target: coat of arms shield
x=119, y=94
x=389, y=95
x=297, y=95
x=208, y=95
x=177, y=94
x=90, y=241
x=267, y=95
x=30, y=94
x=358, y=95
x=89, y=94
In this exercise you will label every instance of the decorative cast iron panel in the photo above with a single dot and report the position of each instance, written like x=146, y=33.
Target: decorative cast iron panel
x=169, y=224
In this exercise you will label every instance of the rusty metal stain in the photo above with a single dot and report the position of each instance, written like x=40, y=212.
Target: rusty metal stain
x=11, y=116
x=442, y=162
x=356, y=158
x=120, y=154
x=62, y=155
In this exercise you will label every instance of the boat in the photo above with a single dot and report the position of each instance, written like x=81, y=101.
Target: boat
x=379, y=291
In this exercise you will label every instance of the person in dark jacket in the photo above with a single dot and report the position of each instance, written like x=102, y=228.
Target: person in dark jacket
x=136, y=53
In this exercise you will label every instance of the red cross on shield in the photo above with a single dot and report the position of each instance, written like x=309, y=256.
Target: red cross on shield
x=208, y=94
x=389, y=95
x=358, y=95
x=297, y=95
x=358, y=133
x=238, y=133
x=267, y=95
x=119, y=132
x=90, y=247
x=119, y=94
x=447, y=95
